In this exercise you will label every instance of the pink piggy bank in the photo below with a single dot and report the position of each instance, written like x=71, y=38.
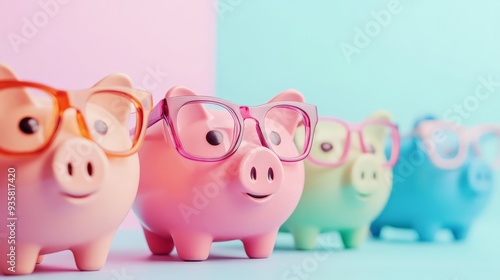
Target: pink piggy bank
x=217, y=171
x=69, y=168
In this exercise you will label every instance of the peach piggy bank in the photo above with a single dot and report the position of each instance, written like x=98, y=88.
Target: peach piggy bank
x=348, y=180
x=69, y=168
x=215, y=171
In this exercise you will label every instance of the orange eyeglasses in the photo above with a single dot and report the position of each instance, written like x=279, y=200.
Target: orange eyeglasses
x=114, y=117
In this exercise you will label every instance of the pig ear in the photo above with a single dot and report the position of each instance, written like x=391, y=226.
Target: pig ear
x=423, y=118
x=287, y=118
x=289, y=95
x=117, y=79
x=6, y=73
x=114, y=104
x=381, y=115
x=13, y=96
x=191, y=113
x=380, y=132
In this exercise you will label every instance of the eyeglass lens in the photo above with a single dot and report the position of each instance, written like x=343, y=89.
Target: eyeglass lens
x=378, y=140
x=330, y=141
x=112, y=120
x=29, y=115
x=206, y=130
x=447, y=142
x=489, y=145
x=281, y=124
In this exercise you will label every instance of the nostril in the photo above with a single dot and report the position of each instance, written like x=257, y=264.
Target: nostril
x=270, y=174
x=70, y=169
x=90, y=169
x=363, y=175
x=253, y=174
x=375, y=175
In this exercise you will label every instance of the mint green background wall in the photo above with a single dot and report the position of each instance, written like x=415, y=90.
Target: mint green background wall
x=428, y=57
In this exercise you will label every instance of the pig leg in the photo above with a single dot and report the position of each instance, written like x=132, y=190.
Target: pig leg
x=25, y=260
x=353, y=238
x=157, y=244
x=192, y=246
x=92, y=256
x=426, y=231
x=260, y=246
x=376, y=229
x=39, y=260
x=460, y=232
x=305, y=237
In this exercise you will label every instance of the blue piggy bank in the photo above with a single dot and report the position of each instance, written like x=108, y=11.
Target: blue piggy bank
x=443, y=178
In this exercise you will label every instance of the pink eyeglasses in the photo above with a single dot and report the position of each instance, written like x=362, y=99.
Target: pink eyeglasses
x=209, y=129
x=447, y=144
x=334, y=142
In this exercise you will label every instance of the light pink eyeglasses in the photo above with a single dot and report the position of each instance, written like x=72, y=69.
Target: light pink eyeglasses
x=335, y=151
x=217, y=136
x=452, y=149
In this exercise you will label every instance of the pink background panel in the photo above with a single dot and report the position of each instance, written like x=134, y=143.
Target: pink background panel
x=72, y=44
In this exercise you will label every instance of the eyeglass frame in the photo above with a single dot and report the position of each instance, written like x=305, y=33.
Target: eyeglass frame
x=63, y=100
x=467, y=137
x=358, y=128
x=169, y=107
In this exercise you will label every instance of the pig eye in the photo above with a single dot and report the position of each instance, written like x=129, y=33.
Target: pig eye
x=450, y=150
x=214, y=137
x=101, y=127
x=275, y=138
x=326, y=147
x=28, y=125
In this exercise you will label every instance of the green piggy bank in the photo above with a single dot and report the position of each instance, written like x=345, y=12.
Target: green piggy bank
x=348, y=180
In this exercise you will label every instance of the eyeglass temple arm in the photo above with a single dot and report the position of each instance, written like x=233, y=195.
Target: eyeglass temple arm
x=157, y=114
x=396, y=147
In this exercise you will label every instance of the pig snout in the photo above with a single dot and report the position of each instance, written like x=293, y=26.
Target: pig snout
x=261, y=173
x=366, y=175
x=79, y=167
x=478, y=177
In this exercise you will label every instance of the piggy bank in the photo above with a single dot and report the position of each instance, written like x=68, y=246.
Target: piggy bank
x=442, y=179
x=215, y=171
x=69, y=168
x=347, y=180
